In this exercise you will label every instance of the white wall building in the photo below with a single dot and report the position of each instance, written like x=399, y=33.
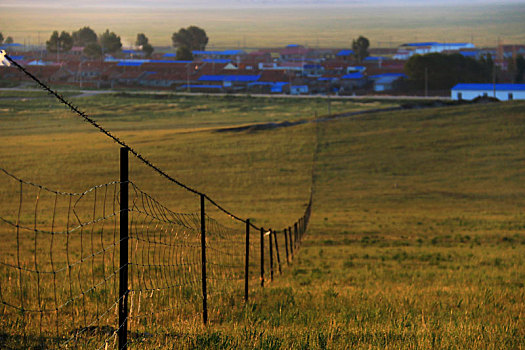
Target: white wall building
x=503, y=92
x=410, y=49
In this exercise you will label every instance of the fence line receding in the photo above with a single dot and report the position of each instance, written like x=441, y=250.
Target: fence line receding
x=89, y=269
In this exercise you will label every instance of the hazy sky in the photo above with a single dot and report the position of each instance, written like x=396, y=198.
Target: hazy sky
x=270, y=23
x=243, y=3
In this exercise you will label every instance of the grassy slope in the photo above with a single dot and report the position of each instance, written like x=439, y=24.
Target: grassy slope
x=416, y=236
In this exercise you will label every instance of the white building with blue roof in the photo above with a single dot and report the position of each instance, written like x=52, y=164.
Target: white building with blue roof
x=503, y=92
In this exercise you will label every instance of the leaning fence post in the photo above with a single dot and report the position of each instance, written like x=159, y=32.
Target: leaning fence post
x=286, y=246
x=247, y=260
x=271, y=255
x=277, y=252
x=203, y=255
x=123, y=271
x=262, y=257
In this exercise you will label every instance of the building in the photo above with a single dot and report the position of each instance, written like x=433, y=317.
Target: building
x=385, y=81
x=503, y=92
x=406, y=51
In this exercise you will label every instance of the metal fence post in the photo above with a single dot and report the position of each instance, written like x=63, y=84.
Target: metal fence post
x=203, y=255
x=291, y=242
x=286, y=246
x=247, y=260
x=124, y=238
x=271, y=255
x=277, y=252
x=295, y=230
x=262, y=257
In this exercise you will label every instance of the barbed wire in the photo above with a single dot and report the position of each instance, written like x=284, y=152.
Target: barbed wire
x=91, y=121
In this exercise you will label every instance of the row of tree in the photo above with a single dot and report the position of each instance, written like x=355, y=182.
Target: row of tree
x=8, y=40
x=185, y=40
x=438, y=71
x=94, y=45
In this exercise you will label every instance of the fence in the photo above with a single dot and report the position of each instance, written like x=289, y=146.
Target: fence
x=89, y=269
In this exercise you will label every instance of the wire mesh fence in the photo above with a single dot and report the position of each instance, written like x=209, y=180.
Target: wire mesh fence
x=87, y=269
x=61, y=267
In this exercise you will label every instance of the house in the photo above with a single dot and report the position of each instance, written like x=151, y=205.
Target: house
x=408, y=50
x=385, y=81
x=313, y=70
x=345, y=54
x=503, y=92
x=298, y=89
x=352, y=81
x=231, y=82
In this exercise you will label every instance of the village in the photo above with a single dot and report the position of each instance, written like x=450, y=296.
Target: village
x=293, y=69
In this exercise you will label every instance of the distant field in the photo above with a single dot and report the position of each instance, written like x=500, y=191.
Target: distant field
x=417, y=235
x=267, y=27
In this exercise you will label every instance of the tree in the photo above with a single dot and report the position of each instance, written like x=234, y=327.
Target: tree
x=184, y=54
x=84, y=36
x=93, y=50
x=59, y=43
x=142, y=39
x=1, y=38
x=147, y=49
x=9, y=40
x=143, y=42
x=110, y=42
x=193, y=38
x=360, y=47
x=442, y=71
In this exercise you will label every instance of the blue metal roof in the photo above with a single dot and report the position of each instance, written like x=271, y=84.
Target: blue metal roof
x=233, y=78
x=129, y=64
x=4, y=45
x=129, y=51
x=346, y=52
x=216, y=60
x=192, y=86
x=169, y=54
x=401, y=75
x=312, y=66
x=357, y=75
x=218, y=53
x=374, y=58
x=469, y=53
x=167, y=61
x=490, y=87
x=268, y=83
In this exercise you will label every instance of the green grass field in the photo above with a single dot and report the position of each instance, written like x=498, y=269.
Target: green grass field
x=416, y=238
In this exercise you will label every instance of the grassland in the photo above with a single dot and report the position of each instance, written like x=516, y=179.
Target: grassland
x=416, y=238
